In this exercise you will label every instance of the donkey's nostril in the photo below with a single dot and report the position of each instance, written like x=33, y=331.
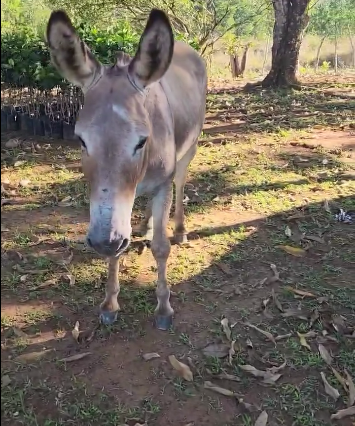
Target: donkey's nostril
x=124, y=244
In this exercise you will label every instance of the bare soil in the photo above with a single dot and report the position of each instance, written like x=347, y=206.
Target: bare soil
x=254, y=187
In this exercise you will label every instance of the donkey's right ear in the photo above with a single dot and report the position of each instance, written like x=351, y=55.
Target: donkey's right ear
x=69, y=54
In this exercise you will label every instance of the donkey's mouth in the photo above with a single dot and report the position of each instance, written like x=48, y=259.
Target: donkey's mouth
x=109, y=249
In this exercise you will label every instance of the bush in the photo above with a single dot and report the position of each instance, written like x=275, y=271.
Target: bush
x=25, y=59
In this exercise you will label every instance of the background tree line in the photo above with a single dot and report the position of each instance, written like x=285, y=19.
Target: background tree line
x=111, y=25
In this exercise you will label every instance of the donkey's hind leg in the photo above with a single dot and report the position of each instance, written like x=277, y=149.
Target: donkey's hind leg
x=147, y=223
x=182, y=165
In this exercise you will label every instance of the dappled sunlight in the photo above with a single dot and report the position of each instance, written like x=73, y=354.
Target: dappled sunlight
x=256, y=205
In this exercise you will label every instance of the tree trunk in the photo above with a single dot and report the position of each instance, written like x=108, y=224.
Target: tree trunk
x=265, y=54
x=244, y=60
x=238, y=70
x=336, y=54
x=290, y=21
x=352, y=47
x=232, y=64
x=318, y=53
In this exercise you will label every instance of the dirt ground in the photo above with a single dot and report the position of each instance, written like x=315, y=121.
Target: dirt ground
x=263, y=293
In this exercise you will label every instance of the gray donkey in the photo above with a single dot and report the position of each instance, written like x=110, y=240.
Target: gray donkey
x=138, y=129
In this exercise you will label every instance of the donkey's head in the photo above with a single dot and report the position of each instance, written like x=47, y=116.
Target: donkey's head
x=114, y=127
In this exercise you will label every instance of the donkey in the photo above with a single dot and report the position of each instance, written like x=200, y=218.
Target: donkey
x=139, y=130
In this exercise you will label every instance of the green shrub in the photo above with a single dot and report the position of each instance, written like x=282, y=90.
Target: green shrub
x=25, y=59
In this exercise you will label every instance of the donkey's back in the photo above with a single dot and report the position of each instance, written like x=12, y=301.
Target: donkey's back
x=185, y=84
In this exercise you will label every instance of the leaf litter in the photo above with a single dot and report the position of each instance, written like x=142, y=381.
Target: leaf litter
x=218, y=389
x=5, y=380
x=75, y=357
x=341, y=414
x=218, y=350
x=303, y=337
x=227, y=376
x=183, y=369
x=75, y=332
x=150, y=355
x=262, y=419
x=294, y=251
x=325, y=354
x=276, y=301
x=351, y=388
x=329, y=390
x=267, y=376
x=265, y=333
x=302, y=293
x=226, y=329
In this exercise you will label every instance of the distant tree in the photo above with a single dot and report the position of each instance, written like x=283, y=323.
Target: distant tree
x=333, y=19
x=251, y=22
x=291, y=19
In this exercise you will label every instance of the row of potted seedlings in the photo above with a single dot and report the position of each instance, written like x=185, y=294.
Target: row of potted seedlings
x=56, y=124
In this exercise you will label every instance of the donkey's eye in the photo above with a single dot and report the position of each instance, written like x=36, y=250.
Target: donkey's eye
x=141, y=143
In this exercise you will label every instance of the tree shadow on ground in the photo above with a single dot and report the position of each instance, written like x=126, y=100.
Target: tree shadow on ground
x=257, y=249
x=265, y=111
x=232, y=285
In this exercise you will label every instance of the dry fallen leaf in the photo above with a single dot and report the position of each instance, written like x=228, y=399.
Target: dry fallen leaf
x=329, y=390
x=75, y=357
x=283, y=336
x=181, y=368
x=325, y=354
x=296, y=313
x=231, y=352
x=276, y=301
x=29, y=357
x=303, y=340
x=75, y=332
x=262, y=419
x=23, y=278
x=288, y=231
x=248, y=407
x=265, y=333
x=275, y=369
x=225, y=268
x=340, y=378
x=19, y=333
x=314, y=317
x=300, y=292
x=350, y=411
x=12, y=143
x=219, y=350
x=226, y=376
x=294, y=251
x=5, y=380
x=70, y=278
x=315, y=238
x=326, y=206
x=150, y=355
x=268, y=377
x=226, y=330
x=218, y=389
x=351, y=387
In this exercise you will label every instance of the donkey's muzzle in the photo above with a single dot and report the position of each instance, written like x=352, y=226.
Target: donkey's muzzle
x=109, y=248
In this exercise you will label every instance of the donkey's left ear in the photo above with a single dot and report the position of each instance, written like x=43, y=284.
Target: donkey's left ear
x=155, y=50
x=72, y=58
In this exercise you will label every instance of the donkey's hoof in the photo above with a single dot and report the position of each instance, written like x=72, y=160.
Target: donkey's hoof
x=180, y=238
x=163, y=322
x=108, y=318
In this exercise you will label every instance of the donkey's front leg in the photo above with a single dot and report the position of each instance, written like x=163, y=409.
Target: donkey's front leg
x=161, y=250
x=110, y=307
